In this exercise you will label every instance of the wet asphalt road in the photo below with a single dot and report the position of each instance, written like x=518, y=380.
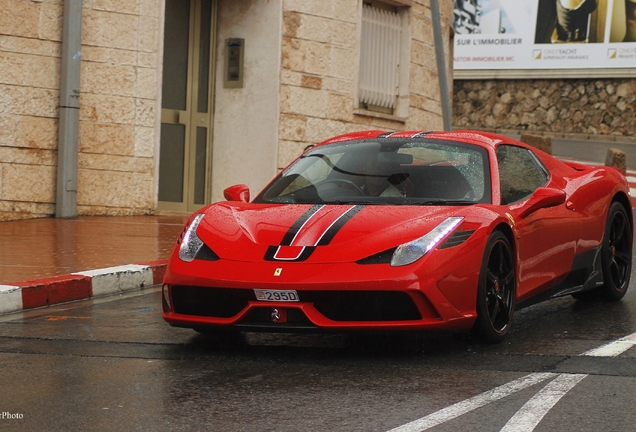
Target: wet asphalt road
x=114, y=365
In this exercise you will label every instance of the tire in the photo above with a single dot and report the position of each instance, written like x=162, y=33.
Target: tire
x=616, y=253
x=496, y=292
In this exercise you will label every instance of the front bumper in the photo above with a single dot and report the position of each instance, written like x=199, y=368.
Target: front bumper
x=332, y=297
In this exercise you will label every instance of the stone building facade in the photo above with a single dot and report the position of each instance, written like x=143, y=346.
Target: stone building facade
x=120, y=75
x=596, y=109
x=299, y=84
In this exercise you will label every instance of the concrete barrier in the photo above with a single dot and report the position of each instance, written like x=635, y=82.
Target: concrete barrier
x=543, y=143
x=616, y=157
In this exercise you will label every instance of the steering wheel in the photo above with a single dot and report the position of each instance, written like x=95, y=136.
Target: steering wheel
x=357, y=189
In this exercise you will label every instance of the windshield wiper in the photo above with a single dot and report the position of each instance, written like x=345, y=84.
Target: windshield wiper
x=347, y=201
x=446, y=202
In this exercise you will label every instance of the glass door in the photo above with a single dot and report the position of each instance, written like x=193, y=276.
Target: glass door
x=186, y=114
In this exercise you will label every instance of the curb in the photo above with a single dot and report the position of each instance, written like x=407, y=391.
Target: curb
x=79, y=286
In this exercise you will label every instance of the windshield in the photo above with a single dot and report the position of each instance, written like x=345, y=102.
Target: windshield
x=385, y=171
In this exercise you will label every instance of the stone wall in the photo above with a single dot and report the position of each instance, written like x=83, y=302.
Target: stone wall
x=29, y=83
x=319, y=69
x=117, y=115
x=118, y=107
x=599, y=109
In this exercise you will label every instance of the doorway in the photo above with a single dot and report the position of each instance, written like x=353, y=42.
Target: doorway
x=186, y=109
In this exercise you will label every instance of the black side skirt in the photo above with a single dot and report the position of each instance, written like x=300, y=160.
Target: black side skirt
x=586, y=274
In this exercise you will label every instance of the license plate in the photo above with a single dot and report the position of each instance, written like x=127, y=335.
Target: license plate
x=276, y=295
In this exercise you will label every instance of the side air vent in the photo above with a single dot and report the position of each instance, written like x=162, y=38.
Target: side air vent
x=457, y=238
x=207, y=254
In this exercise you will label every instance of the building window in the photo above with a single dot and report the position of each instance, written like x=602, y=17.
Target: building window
x=384, y=57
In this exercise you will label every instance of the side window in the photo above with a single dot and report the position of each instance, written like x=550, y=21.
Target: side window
x=520, y=173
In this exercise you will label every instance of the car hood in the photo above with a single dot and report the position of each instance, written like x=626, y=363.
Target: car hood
x=323, y=233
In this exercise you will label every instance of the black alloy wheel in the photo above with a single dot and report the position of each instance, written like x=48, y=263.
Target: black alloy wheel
x=616, y=253
x=497, y=290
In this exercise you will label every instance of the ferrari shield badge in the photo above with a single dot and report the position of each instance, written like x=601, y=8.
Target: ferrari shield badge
x=278, y=271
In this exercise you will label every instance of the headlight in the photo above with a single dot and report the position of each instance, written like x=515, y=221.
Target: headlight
x=410, y=252
x=191, y=243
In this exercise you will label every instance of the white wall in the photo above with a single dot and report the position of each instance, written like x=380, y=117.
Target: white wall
x=246, y=120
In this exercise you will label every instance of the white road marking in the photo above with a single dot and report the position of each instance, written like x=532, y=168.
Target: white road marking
x=473, y=403
x=529, y=416
x=613, y=349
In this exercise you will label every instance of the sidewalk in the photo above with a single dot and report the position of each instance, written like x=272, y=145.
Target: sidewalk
x=48, y=261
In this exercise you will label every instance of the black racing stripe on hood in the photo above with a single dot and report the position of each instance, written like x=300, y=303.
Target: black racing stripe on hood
x=293, y=230
x=333, y=230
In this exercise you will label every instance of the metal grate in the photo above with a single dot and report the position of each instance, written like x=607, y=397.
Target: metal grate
x=335, y=305
x=210, y=302
x=379, y=57
x=363, y=305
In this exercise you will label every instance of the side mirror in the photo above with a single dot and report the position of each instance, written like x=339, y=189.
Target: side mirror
x=542, y=198
x=239, y=192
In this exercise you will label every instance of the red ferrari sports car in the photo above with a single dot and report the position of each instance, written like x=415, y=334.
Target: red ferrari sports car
x=419, y=231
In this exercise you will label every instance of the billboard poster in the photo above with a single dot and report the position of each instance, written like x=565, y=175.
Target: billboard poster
x=544, y=34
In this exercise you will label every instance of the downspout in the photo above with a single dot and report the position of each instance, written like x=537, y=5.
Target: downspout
x=447, y=116
x=68, y=138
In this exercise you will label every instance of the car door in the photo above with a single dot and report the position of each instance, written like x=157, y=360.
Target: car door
x=545, y=240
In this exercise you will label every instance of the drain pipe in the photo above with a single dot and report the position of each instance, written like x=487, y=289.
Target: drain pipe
x=68, y=138
x=447, y=116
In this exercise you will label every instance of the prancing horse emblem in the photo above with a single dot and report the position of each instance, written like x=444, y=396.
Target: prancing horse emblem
x=278, y=271
x=275, y=316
